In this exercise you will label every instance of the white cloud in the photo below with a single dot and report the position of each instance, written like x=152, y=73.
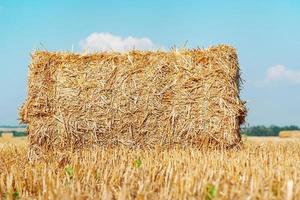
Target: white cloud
x=110, y=42
x=280, y=72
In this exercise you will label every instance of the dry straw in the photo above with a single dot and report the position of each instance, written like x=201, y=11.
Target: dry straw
x=137, y=99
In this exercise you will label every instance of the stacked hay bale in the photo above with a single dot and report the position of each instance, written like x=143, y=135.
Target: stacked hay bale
x=140, y=99
x=7, y=135
x=289, y=134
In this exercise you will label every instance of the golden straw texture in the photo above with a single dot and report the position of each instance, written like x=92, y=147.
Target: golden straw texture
x=136, y=99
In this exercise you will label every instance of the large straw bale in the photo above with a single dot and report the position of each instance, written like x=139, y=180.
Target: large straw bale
x=289, y=134
x=138, y=99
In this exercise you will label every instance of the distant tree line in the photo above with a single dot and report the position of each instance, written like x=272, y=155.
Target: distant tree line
x=266, y=131
x=15, y=133
x=19, y=134
x=8, y=126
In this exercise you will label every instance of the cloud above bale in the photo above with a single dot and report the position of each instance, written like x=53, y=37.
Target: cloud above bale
x=110, y=42
x=280, y=72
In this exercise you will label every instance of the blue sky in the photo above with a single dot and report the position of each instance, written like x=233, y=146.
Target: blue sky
x=265, y=33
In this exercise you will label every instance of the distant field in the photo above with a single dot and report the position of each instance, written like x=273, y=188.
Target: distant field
x=270, y=139
x=13, y=140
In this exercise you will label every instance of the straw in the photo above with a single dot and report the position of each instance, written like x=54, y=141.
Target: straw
x=136, y=99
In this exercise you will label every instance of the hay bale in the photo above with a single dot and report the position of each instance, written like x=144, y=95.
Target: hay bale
x=7, y=135
x=289, y=134
x=135, y=99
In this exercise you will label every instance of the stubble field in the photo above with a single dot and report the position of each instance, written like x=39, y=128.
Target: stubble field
x=260, y=170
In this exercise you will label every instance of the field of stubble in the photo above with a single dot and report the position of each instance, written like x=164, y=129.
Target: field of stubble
x=261, y=170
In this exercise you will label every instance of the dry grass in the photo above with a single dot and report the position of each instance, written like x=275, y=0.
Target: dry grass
x=265, y=171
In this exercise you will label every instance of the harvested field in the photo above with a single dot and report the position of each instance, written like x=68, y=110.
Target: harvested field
x=269, y=171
